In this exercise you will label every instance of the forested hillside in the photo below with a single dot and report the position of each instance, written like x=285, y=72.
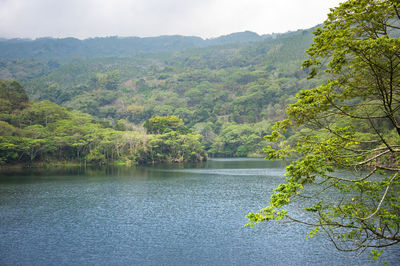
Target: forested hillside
x=67, y=48
x=45, y=132
x=229, y=89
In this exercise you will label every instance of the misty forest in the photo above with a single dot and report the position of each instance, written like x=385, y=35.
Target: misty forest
x=325, y=101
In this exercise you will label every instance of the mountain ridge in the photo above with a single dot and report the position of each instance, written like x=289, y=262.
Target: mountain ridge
x=114, y=46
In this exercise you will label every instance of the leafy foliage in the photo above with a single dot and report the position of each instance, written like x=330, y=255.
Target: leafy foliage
x=165, y=124
x=12, y=96
x=350, y=122
x=46, y=132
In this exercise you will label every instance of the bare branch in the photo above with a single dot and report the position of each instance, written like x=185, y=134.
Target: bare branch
x=354, y=180
x=381, y=201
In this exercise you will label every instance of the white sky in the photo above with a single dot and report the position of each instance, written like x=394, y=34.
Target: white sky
x=204, y=18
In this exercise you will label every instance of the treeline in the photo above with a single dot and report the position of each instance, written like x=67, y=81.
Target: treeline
x=32, y=132
x=50, y=48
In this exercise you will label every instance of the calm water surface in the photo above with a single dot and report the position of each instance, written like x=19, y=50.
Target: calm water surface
x=164, y=215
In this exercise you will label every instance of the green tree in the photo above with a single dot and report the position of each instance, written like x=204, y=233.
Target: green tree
x=108, y=81
x=6, y=129
x=349, y=122
x=164, y=124
x=12, y=97
x=238, y=140
x=43, y=113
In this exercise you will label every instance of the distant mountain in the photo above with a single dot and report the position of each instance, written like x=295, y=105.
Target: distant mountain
x=238, y=37
x=52, y=48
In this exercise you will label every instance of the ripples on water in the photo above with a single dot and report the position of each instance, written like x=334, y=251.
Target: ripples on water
x=162, y=215
x=234, y=172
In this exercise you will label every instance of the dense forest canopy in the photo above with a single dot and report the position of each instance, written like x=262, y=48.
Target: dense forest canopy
x=51, y=48
x=228, y=89
x=46, y=132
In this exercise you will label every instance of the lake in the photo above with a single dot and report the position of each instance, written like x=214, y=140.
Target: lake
x=190, y=214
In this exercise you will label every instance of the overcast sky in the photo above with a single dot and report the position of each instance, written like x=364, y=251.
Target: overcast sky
x=204, y=18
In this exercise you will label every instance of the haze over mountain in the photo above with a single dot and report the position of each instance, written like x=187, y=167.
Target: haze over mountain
x=114, y=46
x=206, y=18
